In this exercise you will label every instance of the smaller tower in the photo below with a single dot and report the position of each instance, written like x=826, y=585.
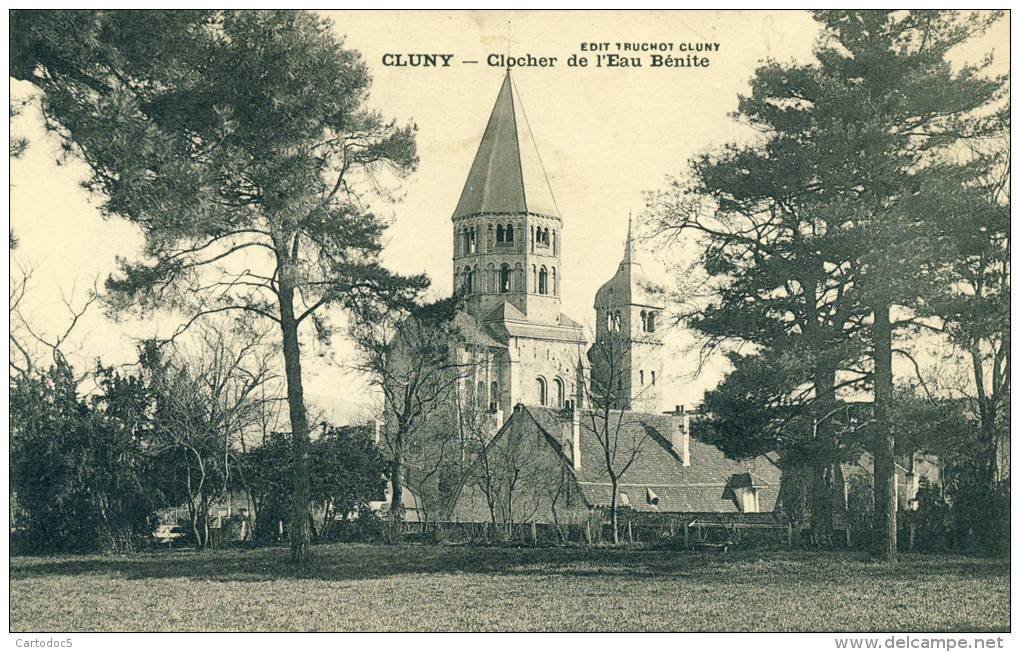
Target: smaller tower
x=626, y=358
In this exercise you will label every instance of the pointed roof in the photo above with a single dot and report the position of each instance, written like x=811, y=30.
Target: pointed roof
x=629, y=286
x=507, y=175
x=628, y=249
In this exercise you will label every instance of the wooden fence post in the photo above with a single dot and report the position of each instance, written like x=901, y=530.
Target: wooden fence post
x=534, y=534
x=789, y=535
x=687, y=535
x=587, y=532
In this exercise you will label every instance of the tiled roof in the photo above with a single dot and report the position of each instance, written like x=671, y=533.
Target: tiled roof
x=507, y=176
x=704, y=486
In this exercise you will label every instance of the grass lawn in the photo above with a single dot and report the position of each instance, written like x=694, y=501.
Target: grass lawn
x=426, y=588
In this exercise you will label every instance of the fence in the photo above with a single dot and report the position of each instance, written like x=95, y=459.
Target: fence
x=673, y=530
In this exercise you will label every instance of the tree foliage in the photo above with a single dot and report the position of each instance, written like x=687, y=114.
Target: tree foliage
x=843, y=209
x=240, y=144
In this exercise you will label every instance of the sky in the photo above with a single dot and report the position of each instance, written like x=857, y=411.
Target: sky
x=606, y=136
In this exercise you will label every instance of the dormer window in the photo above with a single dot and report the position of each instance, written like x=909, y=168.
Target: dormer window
x=651, y=498
x=747, y=499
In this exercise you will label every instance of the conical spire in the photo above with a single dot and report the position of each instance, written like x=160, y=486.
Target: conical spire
x=507, y=175
x=628, y=250
x=629, y=284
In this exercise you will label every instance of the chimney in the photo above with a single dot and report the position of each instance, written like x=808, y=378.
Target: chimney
x=680, y=435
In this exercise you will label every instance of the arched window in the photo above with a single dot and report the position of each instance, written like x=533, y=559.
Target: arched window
x=554, y=242
x=493, y=396
x=543, y=394
x=555, y=285
x=504, y=278
x=489, y=240
x=609, y=321
x=532, y=230
x=653, y=377
x=617, y=321
x=644, y=321
x=561, y=394
x=468, y=280
x=543, y=280
x=510, y=233
x=499, y=233
x=651, y=322
x=641, y=375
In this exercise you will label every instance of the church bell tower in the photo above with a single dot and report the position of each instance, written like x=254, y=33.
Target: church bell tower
x=507, y=230
x=626, y=358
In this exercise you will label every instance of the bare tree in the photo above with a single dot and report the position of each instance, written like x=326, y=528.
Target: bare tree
x=411, y=354
x=433, y=460
x=30, y=344
x=207, y=398
x=608, y=417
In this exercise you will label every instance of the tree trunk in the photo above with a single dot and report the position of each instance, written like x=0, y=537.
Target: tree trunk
x=884, y=439
x=397, y=495
x=205, y=519
x=194, y=524
x=824, y=457
x=298, y=421
x=613, y=517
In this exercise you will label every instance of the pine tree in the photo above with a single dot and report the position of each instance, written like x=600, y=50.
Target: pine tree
x=239, y=143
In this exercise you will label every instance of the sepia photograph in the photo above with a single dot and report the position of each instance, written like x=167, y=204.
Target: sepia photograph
x=510, y=321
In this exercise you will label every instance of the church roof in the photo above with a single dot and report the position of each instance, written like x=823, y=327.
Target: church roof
x=704, y=486
x=473, y=332
x=506, y=321
x=629, y=286
x=507, y=175
x=505, y=311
